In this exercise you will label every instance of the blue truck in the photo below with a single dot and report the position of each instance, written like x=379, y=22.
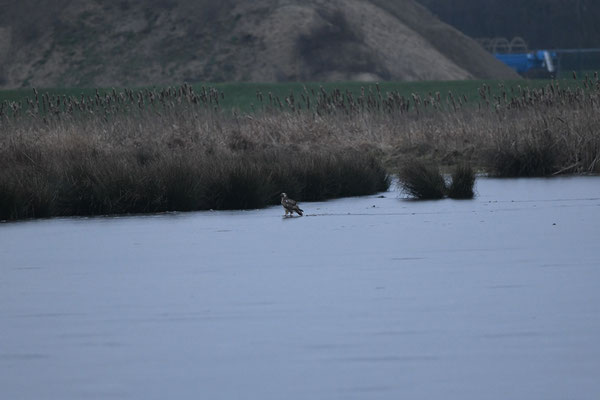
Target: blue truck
x=532, y=64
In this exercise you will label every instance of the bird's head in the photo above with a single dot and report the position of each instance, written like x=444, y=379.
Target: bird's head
x=283, y=195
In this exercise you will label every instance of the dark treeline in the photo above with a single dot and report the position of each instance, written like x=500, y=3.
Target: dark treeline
x=542, y=23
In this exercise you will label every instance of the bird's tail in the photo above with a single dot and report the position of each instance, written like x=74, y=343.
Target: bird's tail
x=299, y=210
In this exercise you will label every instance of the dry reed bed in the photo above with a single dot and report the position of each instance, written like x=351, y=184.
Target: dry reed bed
x=70, y=174
x=175, y=149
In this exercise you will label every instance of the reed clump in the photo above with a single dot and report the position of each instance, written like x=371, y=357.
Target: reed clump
x=462, y=182
x=422, y=181
x=425, y=181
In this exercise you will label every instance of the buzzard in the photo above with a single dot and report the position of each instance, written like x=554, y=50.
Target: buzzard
x=290, y=205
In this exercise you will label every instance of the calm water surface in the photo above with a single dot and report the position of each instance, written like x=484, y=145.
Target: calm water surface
x=364, y=298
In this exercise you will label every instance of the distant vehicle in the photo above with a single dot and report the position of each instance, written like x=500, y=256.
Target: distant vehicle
x=528, y=63
x=532, y=64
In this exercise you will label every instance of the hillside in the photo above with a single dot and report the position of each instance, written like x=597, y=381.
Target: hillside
x=158, y=42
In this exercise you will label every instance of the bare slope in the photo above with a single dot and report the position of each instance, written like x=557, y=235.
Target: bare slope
x=115, y=43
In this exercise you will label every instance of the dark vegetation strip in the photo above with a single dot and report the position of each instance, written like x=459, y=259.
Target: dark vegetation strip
x=82, y=180
x=178, y=148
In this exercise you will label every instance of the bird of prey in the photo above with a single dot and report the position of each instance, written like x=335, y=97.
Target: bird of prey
x=290, y=205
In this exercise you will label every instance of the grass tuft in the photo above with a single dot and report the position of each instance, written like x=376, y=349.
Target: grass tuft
x=463, y=181
x=422, y=181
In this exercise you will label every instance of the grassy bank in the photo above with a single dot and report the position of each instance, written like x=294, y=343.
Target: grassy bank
x=182, y=149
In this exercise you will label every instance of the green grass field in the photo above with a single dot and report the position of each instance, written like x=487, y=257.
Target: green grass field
x=243, y=96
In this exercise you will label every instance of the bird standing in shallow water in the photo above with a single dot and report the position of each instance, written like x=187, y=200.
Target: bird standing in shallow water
x=290, y=205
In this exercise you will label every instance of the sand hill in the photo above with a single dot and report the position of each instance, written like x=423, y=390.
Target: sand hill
x=157, y=42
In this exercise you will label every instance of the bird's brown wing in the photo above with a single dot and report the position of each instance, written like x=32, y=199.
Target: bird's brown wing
x=292, y=205
x=289, y=203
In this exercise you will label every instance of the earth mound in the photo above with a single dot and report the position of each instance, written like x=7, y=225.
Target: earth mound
x=77, y=43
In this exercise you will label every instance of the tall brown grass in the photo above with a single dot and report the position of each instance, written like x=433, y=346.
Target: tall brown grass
x=86, y=176
x=176, y=149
